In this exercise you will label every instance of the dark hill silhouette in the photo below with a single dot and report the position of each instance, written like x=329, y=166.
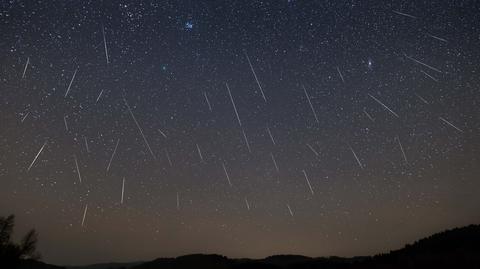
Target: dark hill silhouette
x=200, y=261
x=34, y=264
x=285, y=260
x=456, y=248
x=110, y=265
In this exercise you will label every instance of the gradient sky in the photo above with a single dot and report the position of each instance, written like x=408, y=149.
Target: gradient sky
x=375, y=102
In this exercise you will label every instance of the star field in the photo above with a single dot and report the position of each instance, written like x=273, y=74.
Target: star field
x=132, y=130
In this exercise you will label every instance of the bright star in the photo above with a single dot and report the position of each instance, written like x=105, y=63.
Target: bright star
x=370, y=64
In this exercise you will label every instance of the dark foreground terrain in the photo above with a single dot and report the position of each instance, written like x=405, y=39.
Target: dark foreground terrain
x=457, y=248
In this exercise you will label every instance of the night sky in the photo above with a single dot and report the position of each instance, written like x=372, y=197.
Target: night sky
x=133, y=130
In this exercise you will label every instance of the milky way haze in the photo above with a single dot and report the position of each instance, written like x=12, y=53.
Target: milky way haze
x=133, y=130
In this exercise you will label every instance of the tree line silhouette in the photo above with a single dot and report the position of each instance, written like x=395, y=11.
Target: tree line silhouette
x=12, y=253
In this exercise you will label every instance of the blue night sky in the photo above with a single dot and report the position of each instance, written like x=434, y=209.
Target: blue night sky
x=131, y=130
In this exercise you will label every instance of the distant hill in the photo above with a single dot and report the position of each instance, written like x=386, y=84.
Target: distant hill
x=32, y=264
x=200, y=261
x=285, y=260
x=456, y=248
x=111, y=265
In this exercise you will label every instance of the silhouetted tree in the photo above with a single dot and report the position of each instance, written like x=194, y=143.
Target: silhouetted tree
x=12, y=253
